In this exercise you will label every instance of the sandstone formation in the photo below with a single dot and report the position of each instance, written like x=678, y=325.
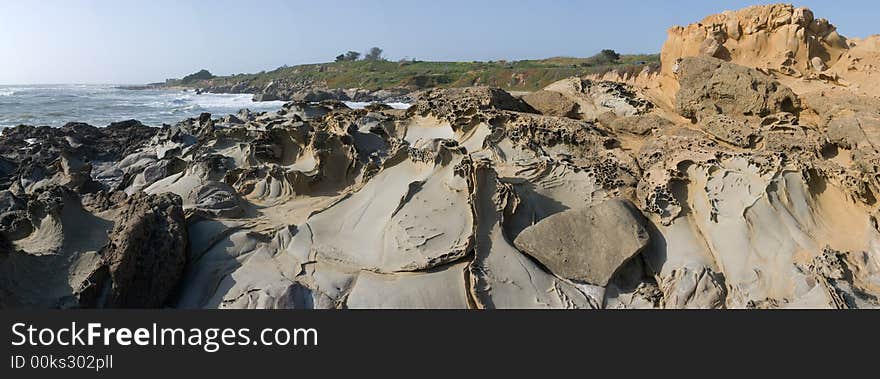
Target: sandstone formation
x=597, y=97
x=146, y=252
x=586, y=245
x=744, y=174
x=779, y=37
x=552, y=104
x=710, y=87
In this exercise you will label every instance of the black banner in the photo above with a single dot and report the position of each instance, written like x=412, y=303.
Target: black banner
x=130, y=343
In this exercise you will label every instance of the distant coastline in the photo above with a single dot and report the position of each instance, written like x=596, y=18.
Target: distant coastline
x=379, y=80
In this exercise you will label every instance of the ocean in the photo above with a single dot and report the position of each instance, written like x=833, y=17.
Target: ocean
x=99, y=105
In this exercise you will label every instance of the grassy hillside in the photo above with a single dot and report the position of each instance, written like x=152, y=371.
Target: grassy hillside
x=526, y=75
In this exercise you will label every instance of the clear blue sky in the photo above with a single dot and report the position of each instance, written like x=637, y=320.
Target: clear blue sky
x=126, y=41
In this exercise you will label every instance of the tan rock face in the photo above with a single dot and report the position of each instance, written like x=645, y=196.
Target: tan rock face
x=586, y=245
x=597, y=97
x=552, y=104
x=639, y=125
x=779, y=37
x=464, y=104
x=710, y=86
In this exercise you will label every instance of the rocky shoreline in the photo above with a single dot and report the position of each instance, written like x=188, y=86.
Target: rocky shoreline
x=281, y=92
x=721, y=181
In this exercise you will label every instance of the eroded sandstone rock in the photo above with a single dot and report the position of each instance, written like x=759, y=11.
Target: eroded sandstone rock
x=639, y=125
x=586, y=245
x=552, y=104
x=146, y=253
x=710, y=86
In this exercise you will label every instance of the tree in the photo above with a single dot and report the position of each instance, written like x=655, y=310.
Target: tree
x=340, y=57
x=352, y=56
x=375, y=54
x=201, y=75
x=609, y=55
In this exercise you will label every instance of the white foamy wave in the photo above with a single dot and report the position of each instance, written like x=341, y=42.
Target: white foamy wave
x=399, y=105
x=100, y=105
x=212, y=102
x=233, y=101
x=363, y=104
x=356, y=104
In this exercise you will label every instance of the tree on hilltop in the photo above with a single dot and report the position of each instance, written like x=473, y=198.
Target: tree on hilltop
x=375, y=54
x=198, y=76
x=352, y=56
x=607, y=56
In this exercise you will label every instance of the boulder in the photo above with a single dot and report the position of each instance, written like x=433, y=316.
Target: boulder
x=265, y=97
x=466, y=105
x=14, y=221
x=589, y=244
x=552, y=104
x=318, y=95
x=638, y=125
x=710, y=86
x=595, y=97
x=146, y=253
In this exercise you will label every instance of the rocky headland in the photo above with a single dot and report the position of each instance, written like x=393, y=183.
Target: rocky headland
x=383, y=81
x=742, y=174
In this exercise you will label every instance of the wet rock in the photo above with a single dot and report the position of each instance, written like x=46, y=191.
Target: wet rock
x=318, y=95
x=266, y=97
x=306, y=110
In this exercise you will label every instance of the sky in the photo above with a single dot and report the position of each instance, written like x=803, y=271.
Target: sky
x=132, y=42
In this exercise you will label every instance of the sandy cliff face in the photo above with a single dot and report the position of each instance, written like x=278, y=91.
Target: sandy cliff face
x=792, y=44
x=748, y=186
x=775, y=37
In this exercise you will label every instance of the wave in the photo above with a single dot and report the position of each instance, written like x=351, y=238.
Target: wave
x=213, y=101
x=399, y=105
x=100, y=105
x=237, y=101
x=363, y=104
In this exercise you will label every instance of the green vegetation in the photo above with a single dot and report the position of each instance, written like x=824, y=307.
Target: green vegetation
x=350, y=56
x=375, y=54
x=201, y=75
x=373, y=74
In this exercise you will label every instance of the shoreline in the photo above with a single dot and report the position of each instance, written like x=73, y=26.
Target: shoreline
x=101, y=105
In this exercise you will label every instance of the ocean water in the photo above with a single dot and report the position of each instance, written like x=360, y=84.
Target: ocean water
x=99, y=105
x=362, y=105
